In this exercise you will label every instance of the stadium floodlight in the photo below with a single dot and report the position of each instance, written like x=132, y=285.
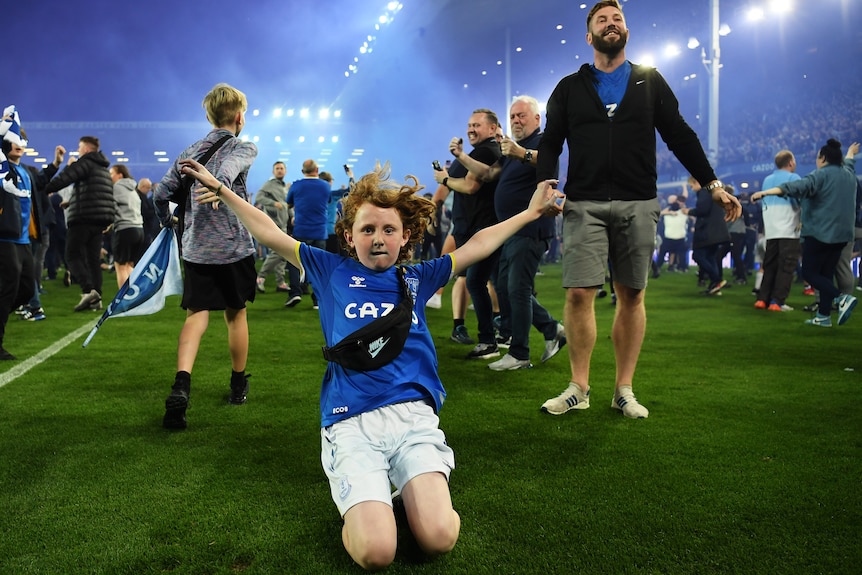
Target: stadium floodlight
x=303, y=113
x=671, y=50
x=337, y=113
x=278, y=139
x=693, y=43
x=323, y=114
x=320, y=139
x=277, y=113
x=724, y=30
x=755, y=14
x=301, y=139
x=290, y=112
x=647, y=60
x=781, y=6
x=334, y=139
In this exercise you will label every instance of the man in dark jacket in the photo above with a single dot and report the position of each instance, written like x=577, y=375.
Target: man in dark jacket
x=710, y=232
x=608, y=113
x=91, y=210
x=148, y=211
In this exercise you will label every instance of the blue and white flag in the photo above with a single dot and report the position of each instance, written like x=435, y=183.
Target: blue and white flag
x=10, y=127
x=10, y=130
x=155, y=277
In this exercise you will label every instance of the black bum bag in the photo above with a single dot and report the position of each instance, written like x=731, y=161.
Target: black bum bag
x=378, y=343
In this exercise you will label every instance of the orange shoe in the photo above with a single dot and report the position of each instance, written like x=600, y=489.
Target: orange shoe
x=760, y=304
x=808, y=291
x=774, y=307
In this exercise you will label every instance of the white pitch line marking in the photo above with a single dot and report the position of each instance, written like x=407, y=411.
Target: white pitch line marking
x=32, y=362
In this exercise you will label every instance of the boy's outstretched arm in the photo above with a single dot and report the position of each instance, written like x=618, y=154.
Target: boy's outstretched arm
x=546, y=201
x=256, y=222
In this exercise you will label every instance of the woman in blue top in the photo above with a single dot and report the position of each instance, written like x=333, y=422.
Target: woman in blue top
x=828, y=198
x=380, y=426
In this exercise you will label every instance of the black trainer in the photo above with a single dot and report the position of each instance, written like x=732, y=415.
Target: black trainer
x=239, y=390
x=175, y=409
x=5, y=355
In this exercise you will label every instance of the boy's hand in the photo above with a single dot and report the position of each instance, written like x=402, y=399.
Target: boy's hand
x=547, y=200
x=206, y=193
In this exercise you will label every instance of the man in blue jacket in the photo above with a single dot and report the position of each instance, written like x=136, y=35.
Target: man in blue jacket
x=608, y=112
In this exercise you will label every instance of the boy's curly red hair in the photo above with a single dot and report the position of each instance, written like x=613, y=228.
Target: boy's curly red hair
x=377, y=189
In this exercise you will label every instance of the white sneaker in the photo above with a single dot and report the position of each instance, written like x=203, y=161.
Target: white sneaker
x=846, y=303
x=260, y=284
x=573, y=398
x=552, y=346
x=510, y=363
x=625, y=401
x=87, y=299
x=484, y=351
x=434, y=302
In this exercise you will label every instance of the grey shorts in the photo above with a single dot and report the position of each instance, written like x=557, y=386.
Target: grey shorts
x=594, y=233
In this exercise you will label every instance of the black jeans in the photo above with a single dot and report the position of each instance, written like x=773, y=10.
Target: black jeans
x=519, y=309
x=478, y=276
x=84, y=255
x=16, y=279
x=819, y=261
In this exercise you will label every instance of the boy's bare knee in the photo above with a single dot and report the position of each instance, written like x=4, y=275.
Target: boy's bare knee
x=375, y=555
x=439, y=537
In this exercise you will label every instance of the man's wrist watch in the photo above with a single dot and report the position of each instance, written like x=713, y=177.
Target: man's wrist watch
x=528, y=156
x=713, y=185
x=445, y=181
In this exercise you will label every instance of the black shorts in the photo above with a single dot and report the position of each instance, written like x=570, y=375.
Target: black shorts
x=127, y=245
x=219, y=286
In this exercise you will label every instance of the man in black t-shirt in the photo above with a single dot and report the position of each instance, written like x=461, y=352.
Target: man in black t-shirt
x=473, y=210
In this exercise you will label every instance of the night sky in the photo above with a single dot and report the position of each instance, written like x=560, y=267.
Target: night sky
x=134, y=73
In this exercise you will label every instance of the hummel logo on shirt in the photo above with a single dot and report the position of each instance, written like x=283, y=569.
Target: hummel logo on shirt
x=357, y=282
x=376, y=346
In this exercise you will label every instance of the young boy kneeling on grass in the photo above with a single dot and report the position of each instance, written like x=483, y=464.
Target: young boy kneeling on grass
x=379, y=423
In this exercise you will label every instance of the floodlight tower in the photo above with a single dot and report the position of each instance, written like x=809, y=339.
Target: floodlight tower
x=712, y=63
